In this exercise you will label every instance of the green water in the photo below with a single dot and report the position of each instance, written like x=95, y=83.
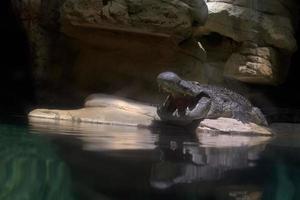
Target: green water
x=30, y=168
x=44, y=160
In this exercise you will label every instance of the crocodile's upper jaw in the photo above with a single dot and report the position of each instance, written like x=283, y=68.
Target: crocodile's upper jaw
x=178, y=97
x=181, y=94
x=178, y=88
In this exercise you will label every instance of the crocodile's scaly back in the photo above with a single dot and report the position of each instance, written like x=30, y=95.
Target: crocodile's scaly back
x=216, y=91
x=227, y=103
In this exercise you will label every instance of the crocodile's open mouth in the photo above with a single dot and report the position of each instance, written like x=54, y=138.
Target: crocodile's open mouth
x=177, y=104
x=180, y=95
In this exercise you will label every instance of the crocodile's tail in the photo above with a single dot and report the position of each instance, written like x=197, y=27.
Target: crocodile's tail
x=259, y=116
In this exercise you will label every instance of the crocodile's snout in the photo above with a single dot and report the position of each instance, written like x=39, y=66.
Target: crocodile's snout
x=168, y=81
x=173, y=84
x=168, y=77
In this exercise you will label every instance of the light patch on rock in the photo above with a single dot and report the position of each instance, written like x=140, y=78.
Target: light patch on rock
x=274, y=7
x=255, y=65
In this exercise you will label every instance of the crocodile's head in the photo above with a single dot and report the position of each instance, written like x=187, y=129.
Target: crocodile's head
x=181, y=95
x=174, y=85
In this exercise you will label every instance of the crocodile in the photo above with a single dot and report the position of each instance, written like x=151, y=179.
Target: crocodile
x=190, y=101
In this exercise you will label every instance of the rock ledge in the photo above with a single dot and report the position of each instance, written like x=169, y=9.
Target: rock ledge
x=106, y=109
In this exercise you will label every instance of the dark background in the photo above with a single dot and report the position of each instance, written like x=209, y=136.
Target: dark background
x=18, y=93
x=16, y=81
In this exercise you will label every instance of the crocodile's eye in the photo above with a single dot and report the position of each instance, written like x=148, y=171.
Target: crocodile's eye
x=177, y=81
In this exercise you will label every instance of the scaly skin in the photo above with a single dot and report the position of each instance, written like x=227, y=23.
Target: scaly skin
x=203, y=102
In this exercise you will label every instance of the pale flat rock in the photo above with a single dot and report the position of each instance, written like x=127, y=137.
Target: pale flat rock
x=104, y=100
x=108, y=109
x=101, y=115
x=104, y=109
x=233, y=126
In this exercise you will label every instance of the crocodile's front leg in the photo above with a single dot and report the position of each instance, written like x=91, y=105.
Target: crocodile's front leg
x=201, y=109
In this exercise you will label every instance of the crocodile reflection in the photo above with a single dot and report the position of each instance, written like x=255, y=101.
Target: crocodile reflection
x=106, y=158
x=182, y=161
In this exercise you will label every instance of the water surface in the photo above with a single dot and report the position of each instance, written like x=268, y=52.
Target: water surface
x=64, y=160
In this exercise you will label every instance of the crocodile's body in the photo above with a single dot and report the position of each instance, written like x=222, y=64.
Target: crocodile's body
x=189, y=101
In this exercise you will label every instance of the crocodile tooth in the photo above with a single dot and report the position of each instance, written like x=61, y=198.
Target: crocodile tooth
x=187, y=110
x=160, y=90
x=166, y=102
x=175, y=113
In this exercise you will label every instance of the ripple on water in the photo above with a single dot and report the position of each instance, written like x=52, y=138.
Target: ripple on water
x=101, y=137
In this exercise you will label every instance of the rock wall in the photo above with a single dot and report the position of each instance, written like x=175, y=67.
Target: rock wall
x=261, y=34
x=114, y=45
x=130, y=42
x=121, y=45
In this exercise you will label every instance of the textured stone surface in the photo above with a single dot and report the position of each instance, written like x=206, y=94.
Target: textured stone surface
x=111, y=41
x=121, y=45
x=113, y=116
x=254, y=64
x=266, y=6
x=242, y=24
x=176, y=17
x=132, y=41
x=265, y=24
x=103, y=100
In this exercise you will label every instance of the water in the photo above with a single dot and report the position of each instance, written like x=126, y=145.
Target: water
x=61, y=160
